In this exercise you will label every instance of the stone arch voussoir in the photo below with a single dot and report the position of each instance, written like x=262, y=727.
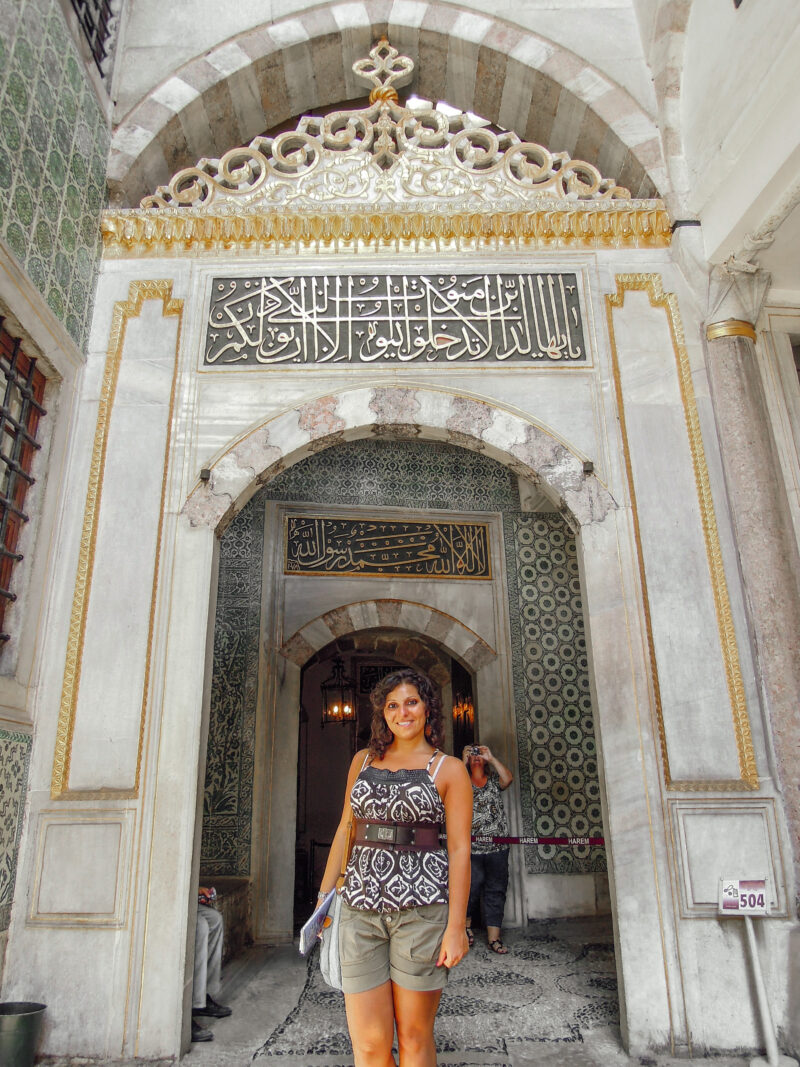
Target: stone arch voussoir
x=280, y=63
x=397, y=412
x=403, y=615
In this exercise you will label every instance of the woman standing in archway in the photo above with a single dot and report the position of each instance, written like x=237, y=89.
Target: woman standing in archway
x=489, y=860
x=404, y=899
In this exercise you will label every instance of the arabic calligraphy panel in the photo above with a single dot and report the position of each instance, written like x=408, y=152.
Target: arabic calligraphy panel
x=370, y=547
x=392, y=319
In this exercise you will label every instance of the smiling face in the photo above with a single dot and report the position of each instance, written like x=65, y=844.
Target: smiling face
x=404, y=712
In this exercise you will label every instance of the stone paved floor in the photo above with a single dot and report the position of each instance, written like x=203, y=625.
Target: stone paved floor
x=551, y=1002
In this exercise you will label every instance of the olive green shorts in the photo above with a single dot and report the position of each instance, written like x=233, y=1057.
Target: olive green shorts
x=402, y=945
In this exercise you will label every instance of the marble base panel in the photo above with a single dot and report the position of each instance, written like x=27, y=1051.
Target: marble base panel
x=557, y=895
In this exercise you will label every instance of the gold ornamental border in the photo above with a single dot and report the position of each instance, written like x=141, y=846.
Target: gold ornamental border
x=123, y=311
x=579, y=225
x=652, y=285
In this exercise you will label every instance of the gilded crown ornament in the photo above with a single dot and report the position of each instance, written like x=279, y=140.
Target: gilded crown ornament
x=404, y=174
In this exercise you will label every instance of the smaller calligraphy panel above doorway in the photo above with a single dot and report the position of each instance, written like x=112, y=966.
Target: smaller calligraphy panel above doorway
x=386, y=548
x=395, y=319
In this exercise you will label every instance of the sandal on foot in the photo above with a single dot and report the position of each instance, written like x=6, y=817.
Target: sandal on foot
x=498, y=947
x=470, y=937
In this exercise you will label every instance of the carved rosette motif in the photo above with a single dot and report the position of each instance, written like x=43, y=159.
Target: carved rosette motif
x=388, y=172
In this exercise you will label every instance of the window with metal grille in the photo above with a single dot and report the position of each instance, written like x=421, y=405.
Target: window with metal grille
x=95, y=18
x=23, y=392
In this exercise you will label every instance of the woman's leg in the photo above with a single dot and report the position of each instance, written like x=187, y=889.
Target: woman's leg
x=494, y=892
x=475, y=886
x=414, y=1014
x=370, y=1020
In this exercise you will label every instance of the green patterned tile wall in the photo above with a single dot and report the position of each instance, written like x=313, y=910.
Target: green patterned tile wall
x=558, y=773
x=54, y=143
x=15, y=749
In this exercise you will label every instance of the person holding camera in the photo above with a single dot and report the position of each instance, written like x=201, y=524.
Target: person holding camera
x=489, y=861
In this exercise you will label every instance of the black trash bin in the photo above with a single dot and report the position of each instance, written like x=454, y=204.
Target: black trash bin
x=20, y=1027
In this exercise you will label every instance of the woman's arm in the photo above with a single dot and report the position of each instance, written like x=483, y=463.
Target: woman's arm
x=334, y=865
x=503, y=773
x=457, y=797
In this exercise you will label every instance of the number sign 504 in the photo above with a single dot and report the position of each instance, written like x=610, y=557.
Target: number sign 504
x=743, y=896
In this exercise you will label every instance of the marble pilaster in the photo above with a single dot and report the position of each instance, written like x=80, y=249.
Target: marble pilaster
x=767, y=549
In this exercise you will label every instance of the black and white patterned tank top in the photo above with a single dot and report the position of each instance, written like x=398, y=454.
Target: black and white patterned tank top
x=382, y=879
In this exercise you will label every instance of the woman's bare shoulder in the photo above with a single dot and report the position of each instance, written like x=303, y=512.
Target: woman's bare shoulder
x=360, y=758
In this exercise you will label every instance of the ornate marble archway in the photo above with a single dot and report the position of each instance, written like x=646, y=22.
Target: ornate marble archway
x=397, y=411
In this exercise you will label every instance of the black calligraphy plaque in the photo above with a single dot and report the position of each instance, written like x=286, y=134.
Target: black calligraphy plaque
x=393, y=319
x=370, y=547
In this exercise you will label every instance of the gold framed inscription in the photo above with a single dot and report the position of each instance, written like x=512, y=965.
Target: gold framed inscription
x=378, y=547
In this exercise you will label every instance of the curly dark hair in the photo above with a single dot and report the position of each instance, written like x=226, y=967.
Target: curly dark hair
x=381, y=736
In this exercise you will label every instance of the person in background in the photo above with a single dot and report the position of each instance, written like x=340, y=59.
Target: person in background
x=208, y=938
x=489, y=862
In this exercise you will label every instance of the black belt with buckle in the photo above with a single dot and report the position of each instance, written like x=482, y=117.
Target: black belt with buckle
x=374, y=833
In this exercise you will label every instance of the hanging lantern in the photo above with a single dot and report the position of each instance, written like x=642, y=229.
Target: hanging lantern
x=463, y=713
x=338, y=698
x=463, y=721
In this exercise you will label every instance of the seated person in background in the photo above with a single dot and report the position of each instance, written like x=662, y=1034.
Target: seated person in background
x=207, y=964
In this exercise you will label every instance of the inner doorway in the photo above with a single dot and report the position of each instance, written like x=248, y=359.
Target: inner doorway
x=329, y=733
x=327, y=743
x=508, y=652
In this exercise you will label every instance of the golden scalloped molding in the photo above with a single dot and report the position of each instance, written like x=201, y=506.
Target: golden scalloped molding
x=123, y=311
x=574, y=225
x=652, y=285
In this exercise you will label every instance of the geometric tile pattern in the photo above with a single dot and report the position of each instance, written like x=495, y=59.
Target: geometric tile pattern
x=228, y=797
x=559, y=786
x=15, y=749
x=414, y=474
x=54, y=143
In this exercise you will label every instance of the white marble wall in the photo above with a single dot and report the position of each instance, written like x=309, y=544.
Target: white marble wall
x=738, y=175
x=125, y=934
x=700, y=737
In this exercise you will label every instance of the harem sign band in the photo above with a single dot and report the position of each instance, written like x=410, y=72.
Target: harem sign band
x=391, y=319
x=577, y=842
x=377, y=546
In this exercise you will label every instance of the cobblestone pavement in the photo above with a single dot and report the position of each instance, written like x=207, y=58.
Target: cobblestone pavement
x=551, y=1002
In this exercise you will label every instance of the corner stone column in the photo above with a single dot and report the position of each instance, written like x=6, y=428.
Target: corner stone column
x=768, y=554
